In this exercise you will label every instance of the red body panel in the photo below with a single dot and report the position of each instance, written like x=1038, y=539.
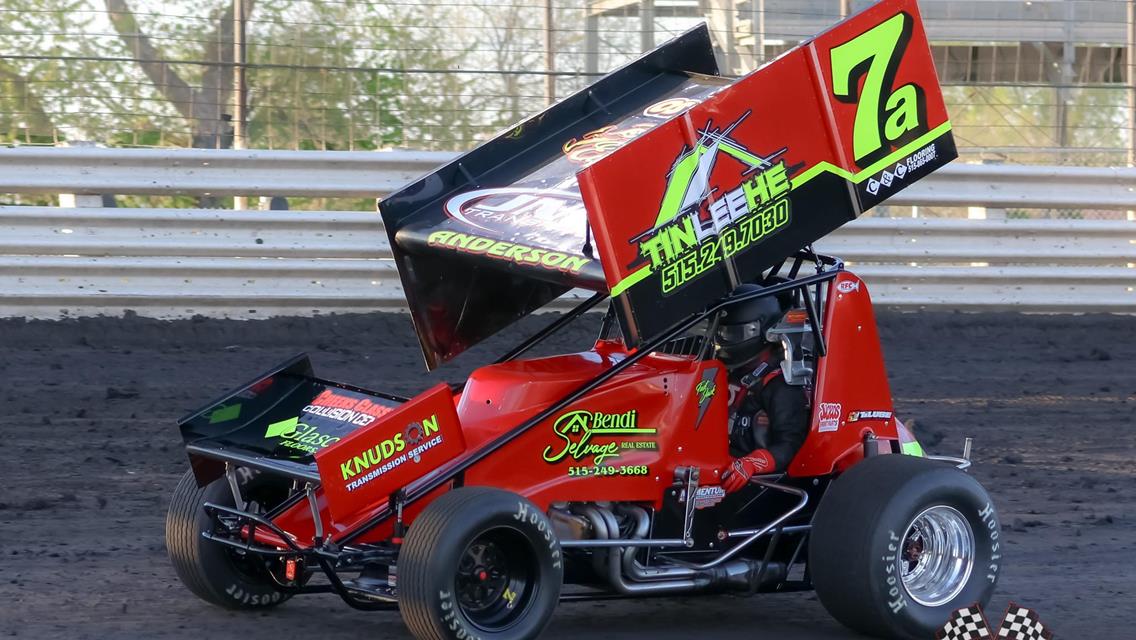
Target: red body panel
x=915, y=67
x=681, y=215
x=666, y=412
x=852, y=392
x=709, y=200
x=639, y=427
x=669, y=419
x=405, y=444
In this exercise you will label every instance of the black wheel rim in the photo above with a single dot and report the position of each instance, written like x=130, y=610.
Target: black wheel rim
x=496, y=579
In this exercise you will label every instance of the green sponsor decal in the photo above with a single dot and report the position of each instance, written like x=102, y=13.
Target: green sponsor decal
x=299, y=435
x=282, y=428
x=875, y=167
x=577, y=429
x=694, y=232
x=685, y=247
x=384, y=451
x=912, y=448
x=225, y=414
x=685, y=174
x=882, y=114
x=705, y=390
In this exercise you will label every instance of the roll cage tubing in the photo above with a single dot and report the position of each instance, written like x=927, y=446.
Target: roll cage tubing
x=454, y=468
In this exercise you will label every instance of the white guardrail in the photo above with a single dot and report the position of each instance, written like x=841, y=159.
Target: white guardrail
x=371, y=174
x=249, y=264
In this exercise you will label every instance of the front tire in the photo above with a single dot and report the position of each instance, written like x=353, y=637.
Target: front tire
x=479, y=563
x=212, y=571
x=899, y=543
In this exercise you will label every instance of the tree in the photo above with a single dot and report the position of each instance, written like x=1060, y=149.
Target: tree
x=322, y=78
x=335, y=74
x=22, y=113
x=206, y=105
x=45, y=73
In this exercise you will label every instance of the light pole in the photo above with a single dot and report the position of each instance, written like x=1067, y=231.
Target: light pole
x=549, y=55
x=1131, y=84
x=240, y=98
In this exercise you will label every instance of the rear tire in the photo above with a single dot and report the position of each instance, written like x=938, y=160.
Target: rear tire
x=479, y=563
x=209, y=569
x=899, y=543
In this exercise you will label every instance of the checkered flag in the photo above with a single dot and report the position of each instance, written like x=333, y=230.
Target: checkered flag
x=1022, y=624
x=965, y=624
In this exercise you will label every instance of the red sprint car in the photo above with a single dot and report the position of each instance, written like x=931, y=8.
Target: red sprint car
x=474, y=508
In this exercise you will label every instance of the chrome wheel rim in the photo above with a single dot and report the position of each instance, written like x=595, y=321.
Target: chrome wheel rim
x=937, y=555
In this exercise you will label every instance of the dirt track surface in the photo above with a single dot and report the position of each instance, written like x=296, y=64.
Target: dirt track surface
x=89, y=455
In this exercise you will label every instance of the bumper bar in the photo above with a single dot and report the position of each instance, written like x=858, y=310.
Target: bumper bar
x=327, y=559
x=288, y=469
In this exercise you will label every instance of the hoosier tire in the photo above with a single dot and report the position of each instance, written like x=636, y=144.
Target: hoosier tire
x=209, y=569
x=900, y=542
x=479, y=563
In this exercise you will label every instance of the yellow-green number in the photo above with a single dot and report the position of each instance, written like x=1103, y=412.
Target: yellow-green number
x=875, y=55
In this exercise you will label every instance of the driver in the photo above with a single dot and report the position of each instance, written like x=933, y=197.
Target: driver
x=769, y=419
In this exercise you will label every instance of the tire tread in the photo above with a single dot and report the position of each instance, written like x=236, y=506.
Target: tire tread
x=416, y=596
x=844, y=525
x=184, y=546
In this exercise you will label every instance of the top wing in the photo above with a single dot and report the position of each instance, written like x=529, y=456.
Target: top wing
x=785, y=155
x=667, y=185
x=502, y=230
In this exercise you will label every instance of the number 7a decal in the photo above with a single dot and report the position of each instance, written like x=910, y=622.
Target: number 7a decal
x=882, y=113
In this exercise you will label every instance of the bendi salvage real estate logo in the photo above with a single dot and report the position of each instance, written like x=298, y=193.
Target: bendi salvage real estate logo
x=586, y=434
x=699, y=223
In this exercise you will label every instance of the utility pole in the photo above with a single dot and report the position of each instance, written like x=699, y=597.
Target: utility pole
x=549, y=55
x=757, y=22
x=733, y=60
x=646, y=25
x=591, y=39
x=240, y=90
x=1065, y=78
x=1132, y=90
x=1131, y=85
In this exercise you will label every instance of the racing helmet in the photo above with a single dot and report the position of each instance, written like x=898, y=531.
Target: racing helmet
x=741, y=331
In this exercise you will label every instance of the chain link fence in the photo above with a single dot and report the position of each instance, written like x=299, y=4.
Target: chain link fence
x=1046, y=81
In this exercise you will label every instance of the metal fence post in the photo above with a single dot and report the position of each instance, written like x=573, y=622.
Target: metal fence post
x=240, y=90
x=646, y=25
x=1132, y=83
x=549, y=54
x=757, y=22
x=1132, y=90
x=80, y=200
